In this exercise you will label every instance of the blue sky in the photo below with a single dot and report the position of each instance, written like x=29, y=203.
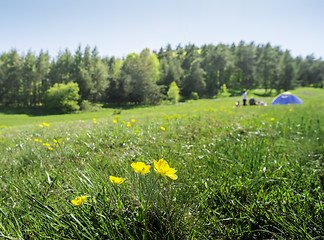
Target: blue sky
x=120, y=27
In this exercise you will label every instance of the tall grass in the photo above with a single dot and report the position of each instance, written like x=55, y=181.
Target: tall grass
x=244, y=173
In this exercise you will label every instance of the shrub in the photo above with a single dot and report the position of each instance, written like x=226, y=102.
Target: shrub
x=194, y=96
x=63, y=97
x=173, y=93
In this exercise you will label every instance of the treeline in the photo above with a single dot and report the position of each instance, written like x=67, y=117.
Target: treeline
x=146, y=77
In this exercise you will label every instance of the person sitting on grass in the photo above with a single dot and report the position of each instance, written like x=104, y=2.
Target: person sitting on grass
x=252, y=101
x=237, y=104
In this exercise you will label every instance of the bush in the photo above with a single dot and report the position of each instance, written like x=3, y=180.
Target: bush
x=63, y=97
x=86, y=105
x=194, y=96
x=173, y=93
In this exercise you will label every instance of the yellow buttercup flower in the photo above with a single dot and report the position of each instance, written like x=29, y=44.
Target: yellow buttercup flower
x=36, y=139
x=117, y=180
x=163, y=168
x=141, y=167
x=128, y=124
x=272, y=119
x=79, y=200
x=162, y=128
x=50, y=148
x=46, y=124
x=114, y=121
x=133, y=120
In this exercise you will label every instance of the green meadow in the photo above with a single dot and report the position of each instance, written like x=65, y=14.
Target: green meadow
x=252, y=172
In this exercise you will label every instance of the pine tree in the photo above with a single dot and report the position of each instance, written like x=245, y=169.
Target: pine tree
x=195, y=80
x=286, y=72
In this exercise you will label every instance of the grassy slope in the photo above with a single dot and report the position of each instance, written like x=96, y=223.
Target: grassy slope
x=247, y=173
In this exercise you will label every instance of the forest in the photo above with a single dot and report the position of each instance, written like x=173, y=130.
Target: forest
x=26, y=80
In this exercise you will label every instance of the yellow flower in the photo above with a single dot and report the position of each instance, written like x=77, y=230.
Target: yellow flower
x=141, y=167
x=290, y=110
x=163, y=168
x=162, y=128
x=123, y=122
x=40, y=141
x=36, y=139
x=79, y=200
x=40, y=125
x=46, y=124
x=46, y=144
x=114, y=121
x=117, y=180
x=133, y=120
x=50, y=148
x=272, y=119
x=165, y=116
x=54, y=140
x=128, y=124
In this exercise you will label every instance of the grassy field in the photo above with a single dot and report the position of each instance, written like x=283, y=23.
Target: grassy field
x=242, y=173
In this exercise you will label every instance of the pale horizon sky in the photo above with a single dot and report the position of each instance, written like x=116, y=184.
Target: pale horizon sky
x=118, y=28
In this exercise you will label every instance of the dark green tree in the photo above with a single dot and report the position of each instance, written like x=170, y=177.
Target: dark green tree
x=244, y=63
x=115, y=92
x=99, y=77
x=265, y=70
x=218, y=64
x=310, y=71
x=170, y=68
x=41, y=82
x=12, y=82
x=195, y=80
x=62, y=68
x=28, y=76
x=286, y=72
x=140, y=74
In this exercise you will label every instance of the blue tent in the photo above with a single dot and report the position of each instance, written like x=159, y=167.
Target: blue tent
x=286, y=98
